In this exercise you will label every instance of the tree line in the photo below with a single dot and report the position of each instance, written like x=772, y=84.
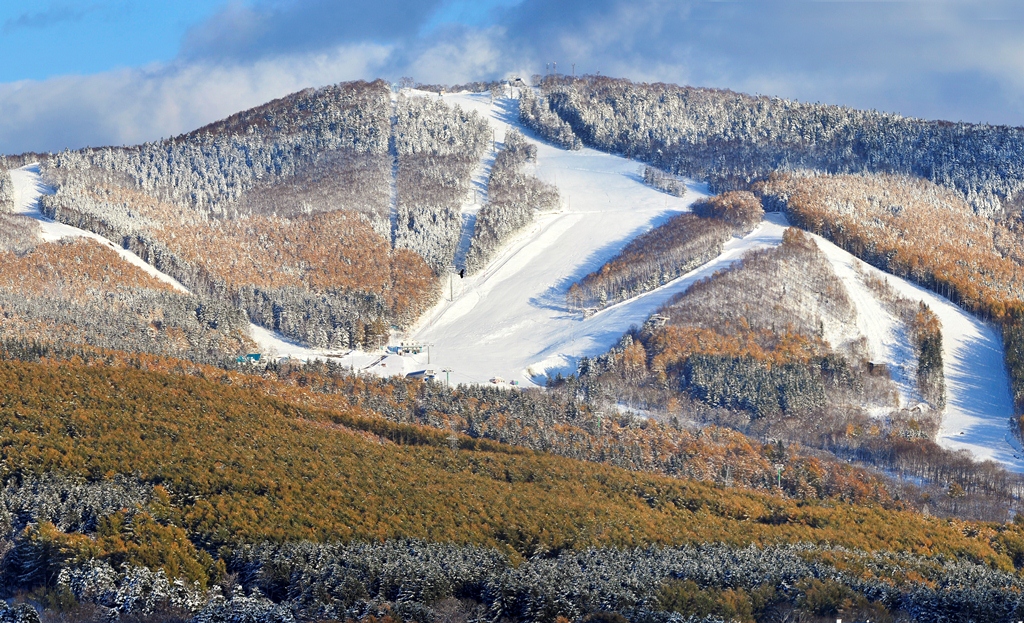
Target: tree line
x=667, y=251
x=513, y=198
x=733, y=139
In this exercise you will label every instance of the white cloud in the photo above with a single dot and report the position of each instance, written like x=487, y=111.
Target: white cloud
x=136, y=105
x=457, y=56
x=950, y=59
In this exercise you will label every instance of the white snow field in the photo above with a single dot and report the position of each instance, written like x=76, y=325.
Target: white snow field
x=979, y=406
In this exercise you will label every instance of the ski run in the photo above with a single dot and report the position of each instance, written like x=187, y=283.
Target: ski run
x=509, y=323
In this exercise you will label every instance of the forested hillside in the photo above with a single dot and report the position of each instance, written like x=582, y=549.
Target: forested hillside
x=79, y=292
x=666, y=252
x=770, y=348
x=535, y=113
x=764, y=336
x=513, y=198
x=211, y=167
x=285, y=210
x=137, y=492
x=733, y=139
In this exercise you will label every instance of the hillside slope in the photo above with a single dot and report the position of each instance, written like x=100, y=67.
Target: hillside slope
x=979, y=412
x=64, y=285
x=510, y=321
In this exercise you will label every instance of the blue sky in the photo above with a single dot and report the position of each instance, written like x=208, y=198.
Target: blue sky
x=91, y=72
x=56, y=37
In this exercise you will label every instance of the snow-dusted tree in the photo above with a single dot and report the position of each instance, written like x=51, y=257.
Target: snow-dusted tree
x=661, y=180
x=513, y=198
x=6, y=191
x=535, y=113
x=18, y=234
x=437, y=149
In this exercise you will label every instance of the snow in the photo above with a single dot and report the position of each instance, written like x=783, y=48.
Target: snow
x=28, y=188
x=377, y=362
x=510, y=320
x=888, y=340
x=979, y=407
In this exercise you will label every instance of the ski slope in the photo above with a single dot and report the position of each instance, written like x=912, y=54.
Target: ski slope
x=979, y=407
x=510, y=320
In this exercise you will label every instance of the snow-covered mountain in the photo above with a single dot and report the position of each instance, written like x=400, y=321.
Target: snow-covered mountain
x=397, y=232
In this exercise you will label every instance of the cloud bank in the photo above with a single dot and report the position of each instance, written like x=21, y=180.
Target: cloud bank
x=948, y=59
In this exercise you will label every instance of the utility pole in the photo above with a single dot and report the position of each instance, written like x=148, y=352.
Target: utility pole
x=574, y=70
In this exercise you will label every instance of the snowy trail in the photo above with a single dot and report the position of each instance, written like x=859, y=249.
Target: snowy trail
x=475, y=200
x=888, y=341
x=510, y=321
x=594, y=335
x=28, y=188
x=979, y=407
